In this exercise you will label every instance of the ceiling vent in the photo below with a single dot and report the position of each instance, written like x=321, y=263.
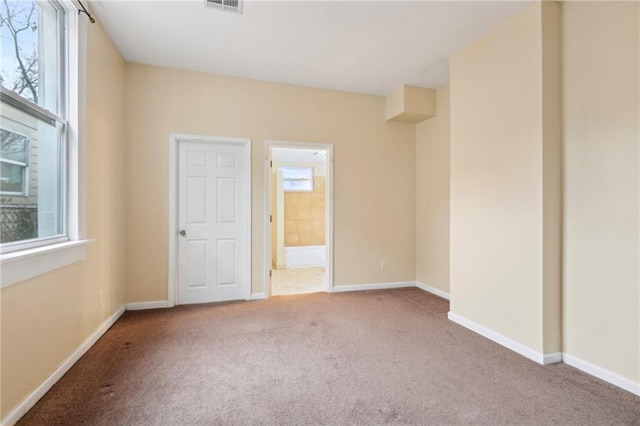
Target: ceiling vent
x=234, y=6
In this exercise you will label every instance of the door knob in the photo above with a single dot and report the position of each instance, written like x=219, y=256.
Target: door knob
x=183, y=232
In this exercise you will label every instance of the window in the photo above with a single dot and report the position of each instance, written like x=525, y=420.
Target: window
x=298, y=179
x=34, y=124
x=14, y=157
x=43, y=142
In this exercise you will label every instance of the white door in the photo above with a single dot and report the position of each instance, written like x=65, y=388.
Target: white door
x=213, y=220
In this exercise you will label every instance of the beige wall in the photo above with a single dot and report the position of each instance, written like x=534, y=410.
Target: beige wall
x=388, y=205
x=432, y=196
x=551, y=176
x=601, y=136
x=499, y=168
x=410, y=104
x=45, y=319
x=374, y=168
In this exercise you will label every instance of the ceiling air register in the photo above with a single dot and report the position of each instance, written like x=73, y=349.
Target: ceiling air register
x=234, y=6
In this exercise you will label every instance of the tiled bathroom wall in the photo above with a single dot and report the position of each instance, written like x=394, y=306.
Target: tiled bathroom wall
x=304, y=216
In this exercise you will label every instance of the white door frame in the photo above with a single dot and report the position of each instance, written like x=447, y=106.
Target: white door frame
x=328, y=209
x=174, y=140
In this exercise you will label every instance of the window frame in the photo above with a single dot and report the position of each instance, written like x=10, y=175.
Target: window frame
x=25, y=166
x=35, y=258
x=57, y=120
x=313, y=174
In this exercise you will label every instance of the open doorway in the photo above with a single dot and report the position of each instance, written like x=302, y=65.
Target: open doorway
x=299, y=254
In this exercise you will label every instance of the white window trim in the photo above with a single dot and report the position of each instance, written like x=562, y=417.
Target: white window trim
x=22, y=265
x=25, y=264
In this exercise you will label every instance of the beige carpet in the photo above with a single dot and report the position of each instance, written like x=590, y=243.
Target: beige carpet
x=363, y=358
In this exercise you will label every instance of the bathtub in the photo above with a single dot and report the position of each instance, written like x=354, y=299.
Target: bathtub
x=305, y=256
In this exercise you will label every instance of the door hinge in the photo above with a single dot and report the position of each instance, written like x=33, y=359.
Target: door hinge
x=270, y=164
x=270, y=218
x=269, y=273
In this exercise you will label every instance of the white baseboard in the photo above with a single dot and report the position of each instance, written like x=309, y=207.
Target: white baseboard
x=22, y=408
x=601, y=373
x=508, y=343
x=376, y=286
x=139, y=306
x=552, y=358
x=432, y=290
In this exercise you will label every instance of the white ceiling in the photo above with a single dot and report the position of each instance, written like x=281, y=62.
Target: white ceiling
x=358, y=46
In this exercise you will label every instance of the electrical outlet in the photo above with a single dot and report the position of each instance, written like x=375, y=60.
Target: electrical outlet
x=383, y=265
x=100, y=297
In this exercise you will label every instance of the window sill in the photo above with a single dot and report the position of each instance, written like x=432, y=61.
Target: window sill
x=26, y=264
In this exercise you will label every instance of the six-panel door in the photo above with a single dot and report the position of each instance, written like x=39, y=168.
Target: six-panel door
x=213, y=213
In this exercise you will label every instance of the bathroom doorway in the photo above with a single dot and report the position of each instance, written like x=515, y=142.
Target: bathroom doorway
x=299, y=218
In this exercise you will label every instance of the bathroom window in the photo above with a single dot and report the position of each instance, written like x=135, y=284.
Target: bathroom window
x=297, y=179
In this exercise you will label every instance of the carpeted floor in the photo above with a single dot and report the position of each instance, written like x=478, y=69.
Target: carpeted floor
x=362, y=358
